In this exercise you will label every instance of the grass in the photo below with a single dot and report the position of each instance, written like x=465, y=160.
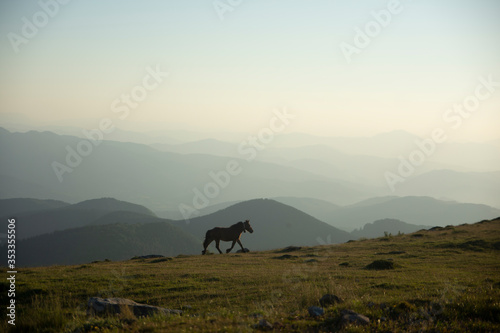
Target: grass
x=442, y=280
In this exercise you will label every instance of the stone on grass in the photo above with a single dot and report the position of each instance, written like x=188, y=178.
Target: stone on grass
x=315, y=311
x=329, y=299
x=286, y=256
x=115, y=305
x=149, y=256
x=263, y=325
x=289, y=249
x=351, y=317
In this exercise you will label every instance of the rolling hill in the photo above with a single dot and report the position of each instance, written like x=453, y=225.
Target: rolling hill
x=11, y=207
x=390, y=226
x=275, y=225
x=206, y=146
x=33, y=223
x=307, y=204
x=99, y=242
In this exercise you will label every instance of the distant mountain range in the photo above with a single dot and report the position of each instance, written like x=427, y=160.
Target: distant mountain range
x=138, y=173
x=321, y=190
x=453, y=185
x=12, y=207
x=47, y=218
x=412, y=209
x=293, y=165
x=415, y=210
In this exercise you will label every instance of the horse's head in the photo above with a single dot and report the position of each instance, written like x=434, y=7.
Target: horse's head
x=248, y=227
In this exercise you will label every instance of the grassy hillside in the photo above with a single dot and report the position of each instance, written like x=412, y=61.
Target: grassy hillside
x=446, y=279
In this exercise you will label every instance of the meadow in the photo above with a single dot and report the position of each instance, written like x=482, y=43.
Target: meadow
x=444, y=280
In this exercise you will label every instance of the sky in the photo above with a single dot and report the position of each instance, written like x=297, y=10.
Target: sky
x=230, y=63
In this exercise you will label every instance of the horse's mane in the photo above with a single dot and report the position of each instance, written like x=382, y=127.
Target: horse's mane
x=238, y=224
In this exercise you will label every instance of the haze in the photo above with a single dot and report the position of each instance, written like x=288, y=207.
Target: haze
x=230, y=74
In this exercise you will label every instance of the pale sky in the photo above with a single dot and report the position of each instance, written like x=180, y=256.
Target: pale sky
x=230, y=74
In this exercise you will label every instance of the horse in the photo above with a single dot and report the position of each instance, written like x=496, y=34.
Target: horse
x=233, y=233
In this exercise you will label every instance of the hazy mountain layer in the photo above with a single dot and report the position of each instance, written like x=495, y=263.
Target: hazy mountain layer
x=414, y=210
x=99, y=242
x=46, y=165
x=384, y=227
x=33, y=223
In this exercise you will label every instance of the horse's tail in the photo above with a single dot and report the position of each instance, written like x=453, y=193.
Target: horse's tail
x=206, y=242
x=207, y=238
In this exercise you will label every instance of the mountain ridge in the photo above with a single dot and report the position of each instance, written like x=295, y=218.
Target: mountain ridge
x=283, y=225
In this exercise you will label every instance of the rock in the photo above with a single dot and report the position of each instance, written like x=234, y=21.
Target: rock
x=115, y=305
x=315, y=311
x=286, y=256
x=289, y=249
x=381, y=265
x=149, y=256
x=329, y=299
x=263, y=325
x=344, y=264
x=245, y=250
x=351, y=317
x=163, y=259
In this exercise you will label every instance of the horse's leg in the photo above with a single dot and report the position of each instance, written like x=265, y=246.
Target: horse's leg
x=217, y=241
x=242, y=248
x=229, y=250
x=206, y=243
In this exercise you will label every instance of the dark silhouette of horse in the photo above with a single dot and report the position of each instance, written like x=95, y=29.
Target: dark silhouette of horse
x=231, y=234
